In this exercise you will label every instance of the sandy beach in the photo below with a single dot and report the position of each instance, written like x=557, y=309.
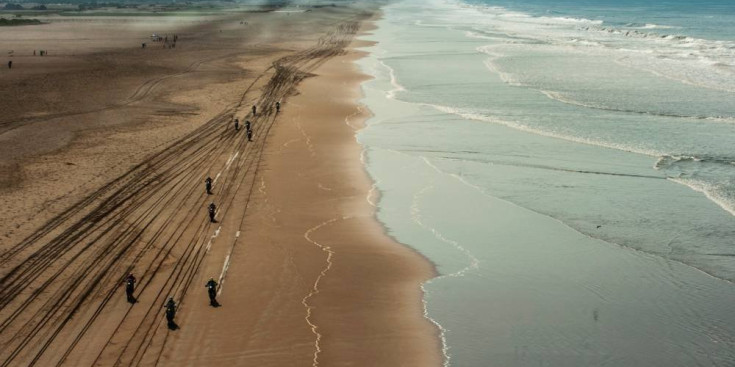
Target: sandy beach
x=105, y=147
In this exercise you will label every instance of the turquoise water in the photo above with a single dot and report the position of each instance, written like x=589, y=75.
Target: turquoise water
x=707, y=19
x=569, y=170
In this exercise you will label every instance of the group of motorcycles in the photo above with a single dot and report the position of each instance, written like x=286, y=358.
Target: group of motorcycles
x=211, y=285
x=171, y=305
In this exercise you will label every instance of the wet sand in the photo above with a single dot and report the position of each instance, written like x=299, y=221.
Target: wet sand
x=307, y=276
x=312, y=278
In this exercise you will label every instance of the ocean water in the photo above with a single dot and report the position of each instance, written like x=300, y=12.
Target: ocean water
x=570, y=169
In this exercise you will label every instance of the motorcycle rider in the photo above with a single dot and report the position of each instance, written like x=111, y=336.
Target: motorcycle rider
x=278, y=106
x=247, y=124
x=208, y=185
x=212, y=290
x=130, y=287
x=170, y=310
x=237, y=124
x=250, y=135
x=212, y=210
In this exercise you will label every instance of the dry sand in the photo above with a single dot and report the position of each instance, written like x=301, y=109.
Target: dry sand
x=103, y=175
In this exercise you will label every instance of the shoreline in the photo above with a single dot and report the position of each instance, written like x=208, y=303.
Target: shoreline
x=322, y=231
x=357, y=316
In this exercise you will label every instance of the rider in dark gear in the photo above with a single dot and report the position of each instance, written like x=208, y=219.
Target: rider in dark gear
x=208, y=185
x=130, y=287
x=250, y=135
x=212, y=210
x=278, y=106
x=170, y=310
x=212, y=290
x=237, y=124
x=253, y=110
x=247, y=124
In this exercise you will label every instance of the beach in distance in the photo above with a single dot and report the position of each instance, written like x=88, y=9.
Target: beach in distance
x=393, y=183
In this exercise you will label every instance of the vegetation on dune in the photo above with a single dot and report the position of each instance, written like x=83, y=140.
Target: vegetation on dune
x=18, y=21
x=143, y=7
x=11, y=6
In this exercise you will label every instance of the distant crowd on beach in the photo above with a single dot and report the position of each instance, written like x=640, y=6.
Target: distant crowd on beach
x=41, y=52
x=164, y=40
x=154, y=38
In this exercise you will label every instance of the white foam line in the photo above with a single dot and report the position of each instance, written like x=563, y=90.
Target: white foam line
x=505, y=77
x=374, y=187
x=708, y=193
x=226, y=266
x=232, y=158
x=349, y=117
x=322, y=187
x=474, y=263
x=371, y=193
x=307, y=137
x=484, y=193
x=523, y=127
x=216, y=233
x=442, y=330
x=290, y=141
x=391, y=94
x=675, y=78
x=532, y=130
x=315, y=288
x=261, y=189
x=221, y=281
x=227, y=166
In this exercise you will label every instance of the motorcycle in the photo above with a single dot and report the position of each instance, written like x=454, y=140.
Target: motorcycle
x=129, y=289
x=208, y=185
x=211, y=214
x=212, y=290
x=170, y=313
